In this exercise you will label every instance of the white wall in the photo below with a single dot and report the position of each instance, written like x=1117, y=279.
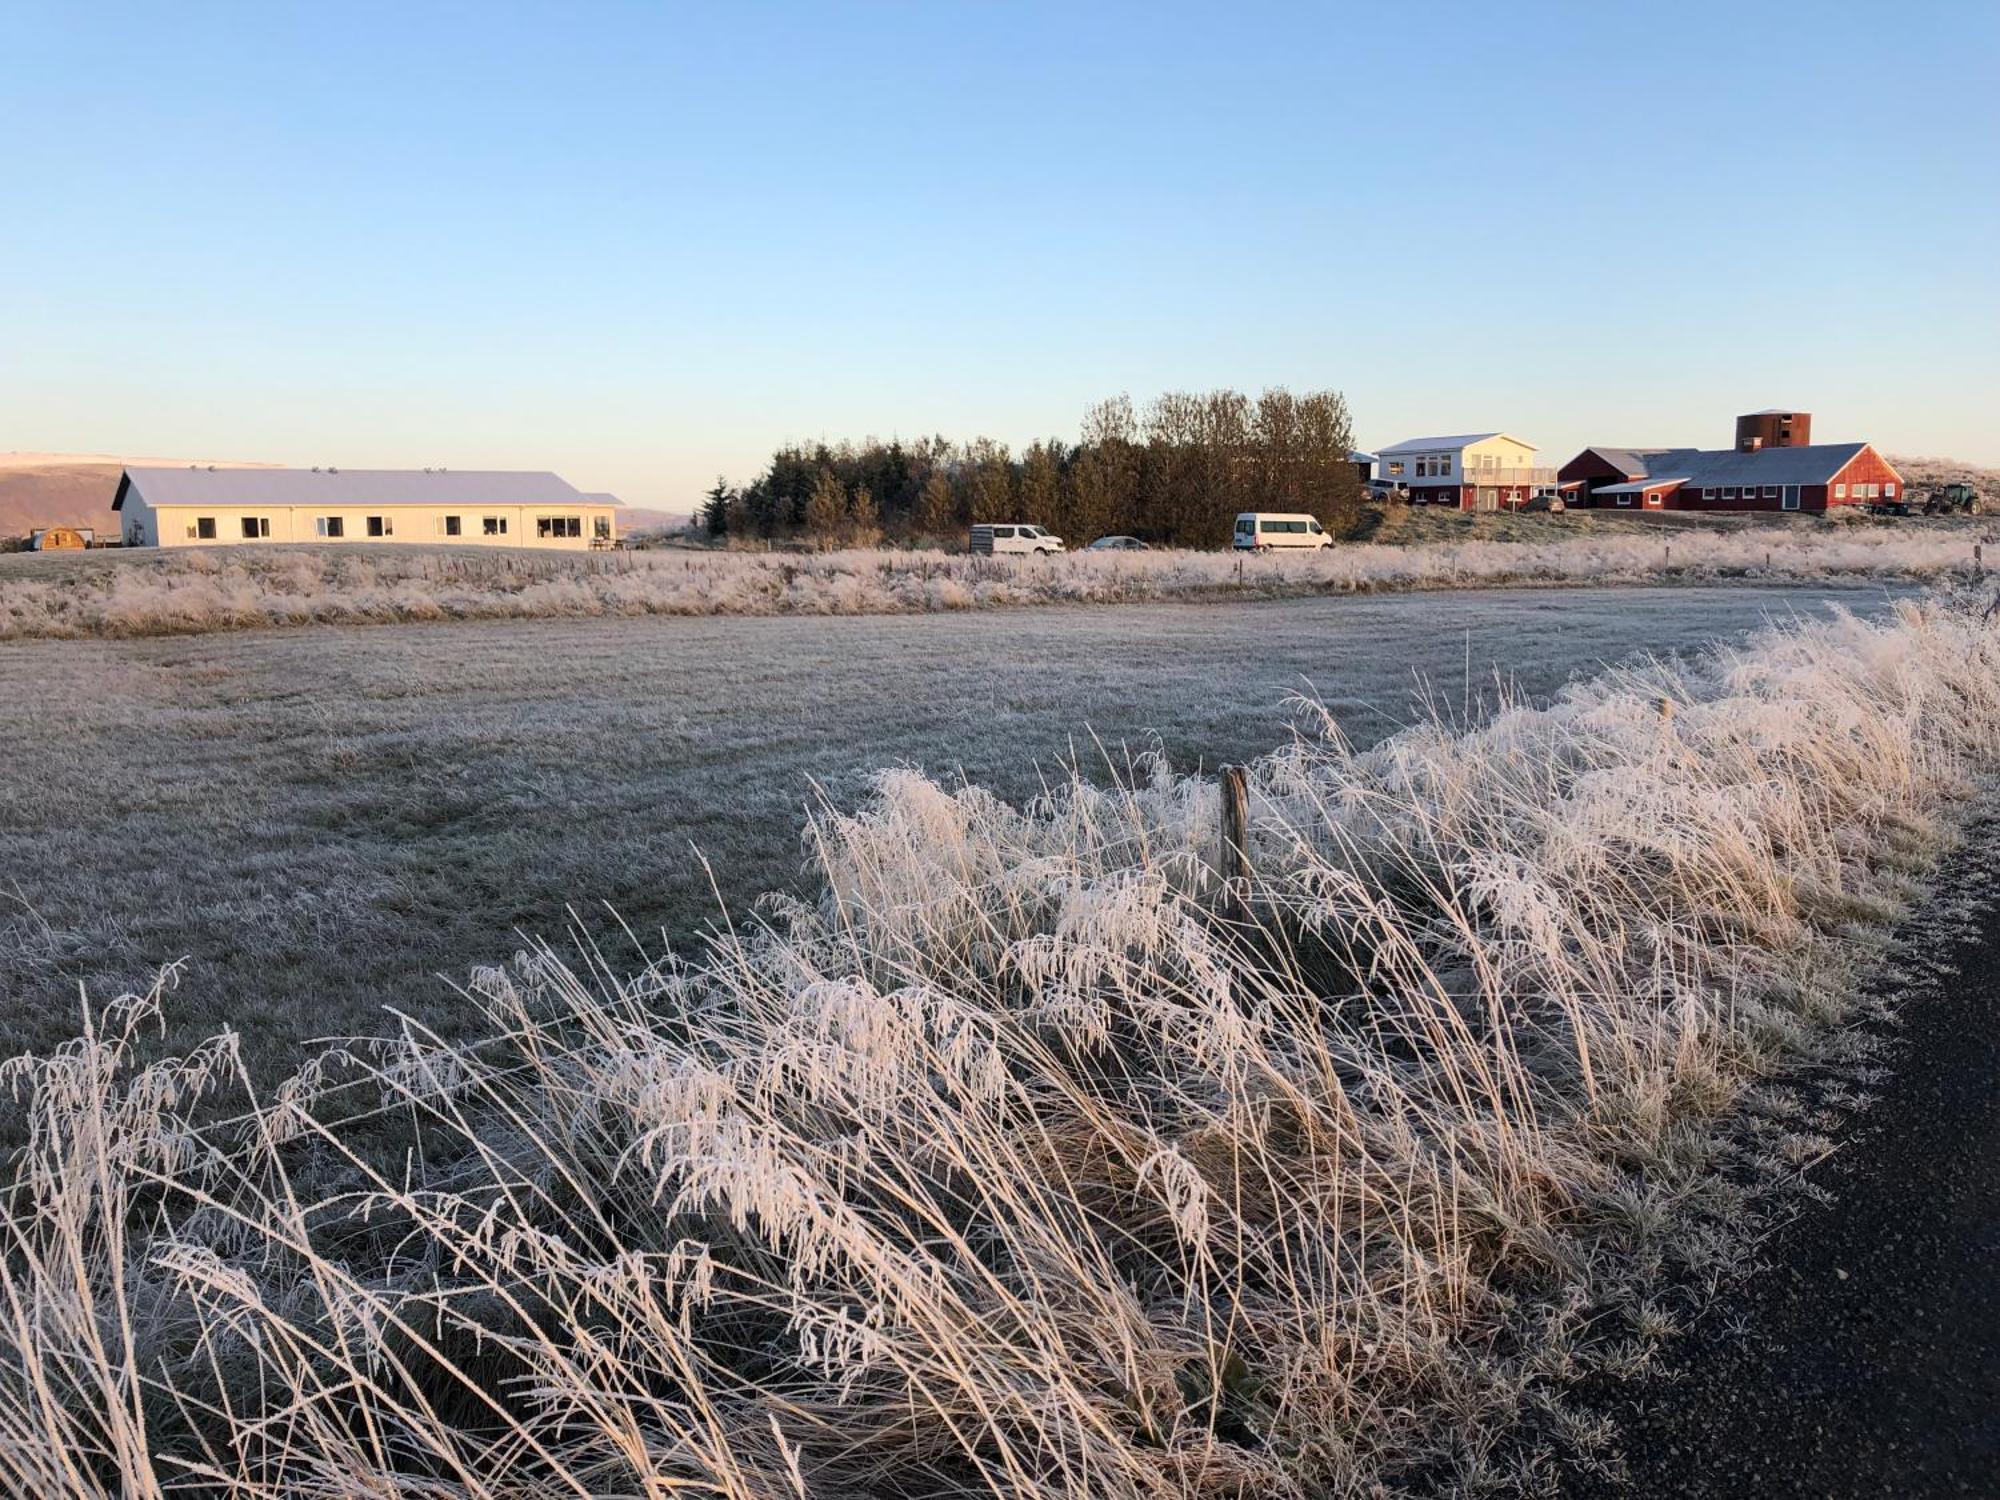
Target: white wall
x=169, y=525
x=1508, y=453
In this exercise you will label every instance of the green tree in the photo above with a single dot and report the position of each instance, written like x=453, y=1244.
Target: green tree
x=1104, y=476
x=826, y=507
x=937, y=506
x=715, y=508
x=864, y=517
x=1041, y=488
x=991, y=475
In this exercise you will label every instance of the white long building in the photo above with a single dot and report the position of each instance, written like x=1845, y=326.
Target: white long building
x=203, y=507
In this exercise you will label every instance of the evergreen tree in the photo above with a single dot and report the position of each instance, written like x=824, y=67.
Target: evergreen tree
x=715, y=508
x=826, y=507
x=936, y=505
x=865, y=517
x=1041, y=497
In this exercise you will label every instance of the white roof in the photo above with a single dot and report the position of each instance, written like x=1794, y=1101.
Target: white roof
x=1639, y=487
x=468, y=487
x=1445, y=444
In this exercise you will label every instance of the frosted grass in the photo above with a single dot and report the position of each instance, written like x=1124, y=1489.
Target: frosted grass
x=184, y=592
x=1027, y=1159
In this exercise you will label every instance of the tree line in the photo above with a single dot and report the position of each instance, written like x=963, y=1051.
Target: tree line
x=1175, y=473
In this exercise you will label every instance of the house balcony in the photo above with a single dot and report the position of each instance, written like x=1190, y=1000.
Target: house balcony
x=1509, y=478
x=1481, y=477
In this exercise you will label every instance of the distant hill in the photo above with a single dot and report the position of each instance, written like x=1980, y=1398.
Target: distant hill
x=76, y=489
x=1924, y=474
x=68, y=489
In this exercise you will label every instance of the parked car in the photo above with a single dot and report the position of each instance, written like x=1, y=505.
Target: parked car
x=1388, y=489
x=1118, y=544
x=1016, y=540
x=1267, y=531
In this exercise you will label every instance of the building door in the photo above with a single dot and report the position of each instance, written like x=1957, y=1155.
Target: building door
x=1791, y=500
x=1489, y=497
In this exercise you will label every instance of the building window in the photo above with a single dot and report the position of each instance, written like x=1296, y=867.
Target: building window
x=1770, y=492
x=493, y=525
x=204, y=528
x=558, y=526
x=1395, y=467
x=1708, y=492
x=381, y=526
x=1729, y=492
x=333, y=526
x=601, y=528
x=1840, y=492
x=256, y=527
x=451, y=525
x=1888, y=492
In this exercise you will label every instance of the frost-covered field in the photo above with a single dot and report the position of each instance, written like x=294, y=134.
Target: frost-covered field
x=325, y=821
x=1023, y=1156
x=191, y=591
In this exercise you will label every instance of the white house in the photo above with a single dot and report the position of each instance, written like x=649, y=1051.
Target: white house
x=1468, y=470
x=203, y=507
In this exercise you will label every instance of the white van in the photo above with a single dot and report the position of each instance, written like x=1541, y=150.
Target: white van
x=1017, y=540
x=1267, y=530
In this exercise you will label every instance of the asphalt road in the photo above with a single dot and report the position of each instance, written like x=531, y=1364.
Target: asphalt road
x=1864, y=1361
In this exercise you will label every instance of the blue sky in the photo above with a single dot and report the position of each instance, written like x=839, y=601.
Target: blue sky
x=641, y=244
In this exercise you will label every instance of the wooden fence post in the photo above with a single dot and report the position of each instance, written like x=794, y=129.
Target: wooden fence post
x=1978, y=558
x=1233, y=857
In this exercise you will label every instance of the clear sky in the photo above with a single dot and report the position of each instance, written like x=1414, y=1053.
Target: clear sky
x=641, y=244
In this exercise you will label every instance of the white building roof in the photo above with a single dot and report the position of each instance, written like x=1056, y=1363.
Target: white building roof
x=385, y=487
x=1447, y=444
x=1639, y=487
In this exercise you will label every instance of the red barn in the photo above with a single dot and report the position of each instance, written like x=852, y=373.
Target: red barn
x=1769, y=469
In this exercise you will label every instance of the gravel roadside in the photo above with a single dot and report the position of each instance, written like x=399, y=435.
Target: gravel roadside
x=1864, y=1359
